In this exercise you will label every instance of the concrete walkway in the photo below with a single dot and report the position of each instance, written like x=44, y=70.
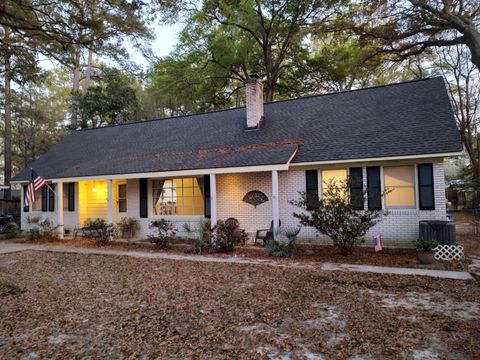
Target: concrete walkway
x=9, y=247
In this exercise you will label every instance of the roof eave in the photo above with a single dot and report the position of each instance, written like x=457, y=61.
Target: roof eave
x=377, y=159
x=174, y=173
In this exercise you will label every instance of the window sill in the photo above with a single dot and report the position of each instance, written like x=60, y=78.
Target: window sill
x=177, y=217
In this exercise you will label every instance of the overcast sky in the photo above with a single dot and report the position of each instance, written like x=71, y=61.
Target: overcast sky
x=166, y=36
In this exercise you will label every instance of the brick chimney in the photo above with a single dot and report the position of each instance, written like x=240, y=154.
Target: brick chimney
x=254, y=98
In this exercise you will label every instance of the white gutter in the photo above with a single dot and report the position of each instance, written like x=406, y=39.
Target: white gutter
x=176, y=173
x=389, y=158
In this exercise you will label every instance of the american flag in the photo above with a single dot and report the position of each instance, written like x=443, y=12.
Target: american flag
x=36, y=183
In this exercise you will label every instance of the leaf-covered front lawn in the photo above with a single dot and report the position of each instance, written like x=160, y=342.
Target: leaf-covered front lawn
x=75, y=306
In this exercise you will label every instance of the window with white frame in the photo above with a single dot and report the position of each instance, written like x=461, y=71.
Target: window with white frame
x=182, y=196
x=336, y=176
x=399, y=184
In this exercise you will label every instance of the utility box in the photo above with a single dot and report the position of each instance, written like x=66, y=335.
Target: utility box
x=442, y=231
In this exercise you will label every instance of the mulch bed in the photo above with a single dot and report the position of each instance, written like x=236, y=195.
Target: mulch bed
x=89, y=306
x=305, y=253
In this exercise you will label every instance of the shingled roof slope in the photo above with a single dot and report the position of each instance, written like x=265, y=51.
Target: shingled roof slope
x=411, y=118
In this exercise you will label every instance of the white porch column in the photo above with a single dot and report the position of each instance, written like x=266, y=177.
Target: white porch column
x=61, y=227
x=109, y=202
x=275, y=206
x=213, y=200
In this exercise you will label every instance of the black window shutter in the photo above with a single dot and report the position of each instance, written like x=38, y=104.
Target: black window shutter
x=143, y=198
x=356, y=187
x=51, y=198
x=25, y=189
x=311, y=177
x=207, y=201
x=71, y=196
x=425, y=187
x=374, y=188
x=44, y=198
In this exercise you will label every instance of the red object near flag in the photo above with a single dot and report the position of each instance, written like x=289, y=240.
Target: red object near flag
x=36, y=183
x=378, y=243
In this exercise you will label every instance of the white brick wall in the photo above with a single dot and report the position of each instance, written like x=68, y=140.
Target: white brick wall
x=400, y=227
x=232, y=188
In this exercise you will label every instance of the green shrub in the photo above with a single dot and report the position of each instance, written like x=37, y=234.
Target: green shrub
x=283, y=248
x=41, y=230
x=426, y=245
x=99, y=230
x=203, y=241
x=226, y=235
x=12, y=230
x=128, y=227
x=335, y=215
x=164, y=232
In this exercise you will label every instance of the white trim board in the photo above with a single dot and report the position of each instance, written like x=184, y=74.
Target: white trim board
x=366, y=160
x=176, y=173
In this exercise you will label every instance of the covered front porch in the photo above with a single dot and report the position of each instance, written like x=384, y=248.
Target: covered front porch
x=182, y=199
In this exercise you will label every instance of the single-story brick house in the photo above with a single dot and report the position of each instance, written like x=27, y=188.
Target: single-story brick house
x=187, y=168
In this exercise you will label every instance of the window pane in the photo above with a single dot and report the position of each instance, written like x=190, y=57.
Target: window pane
x=398, y=176
x=179, y=197
x=400, y=197
x=122, y=191
x=188, y=182
x=122, y=205
x=177, y=183
x=187, y=191
x=37, y=205
x=336, y=176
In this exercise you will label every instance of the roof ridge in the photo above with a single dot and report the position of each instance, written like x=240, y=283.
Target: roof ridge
x=266, y=103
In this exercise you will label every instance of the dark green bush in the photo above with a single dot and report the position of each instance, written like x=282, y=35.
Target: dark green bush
x=164, y=232
x=99, y=230
x=41, y=230
x=426, y=245
x=128, y=227
x=12, y=230
x=283, y=247
x=335, y=216
x=226, y=235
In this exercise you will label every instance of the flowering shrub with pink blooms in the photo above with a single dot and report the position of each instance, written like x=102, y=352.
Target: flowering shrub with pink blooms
x=226, y=235
x=164, y=232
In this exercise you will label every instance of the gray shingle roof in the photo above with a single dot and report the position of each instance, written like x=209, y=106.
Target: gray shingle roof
x=411, y=118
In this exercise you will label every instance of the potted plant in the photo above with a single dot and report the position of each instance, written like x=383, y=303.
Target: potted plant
x=128, y=227
x=426, y=250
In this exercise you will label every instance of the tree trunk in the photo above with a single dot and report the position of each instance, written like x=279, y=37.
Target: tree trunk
x=270, y=91
x=7, y=171
x=88, y=71
x=472, y=40
x=75, y=94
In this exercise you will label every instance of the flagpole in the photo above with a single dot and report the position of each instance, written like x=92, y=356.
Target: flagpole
x=51, y=189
